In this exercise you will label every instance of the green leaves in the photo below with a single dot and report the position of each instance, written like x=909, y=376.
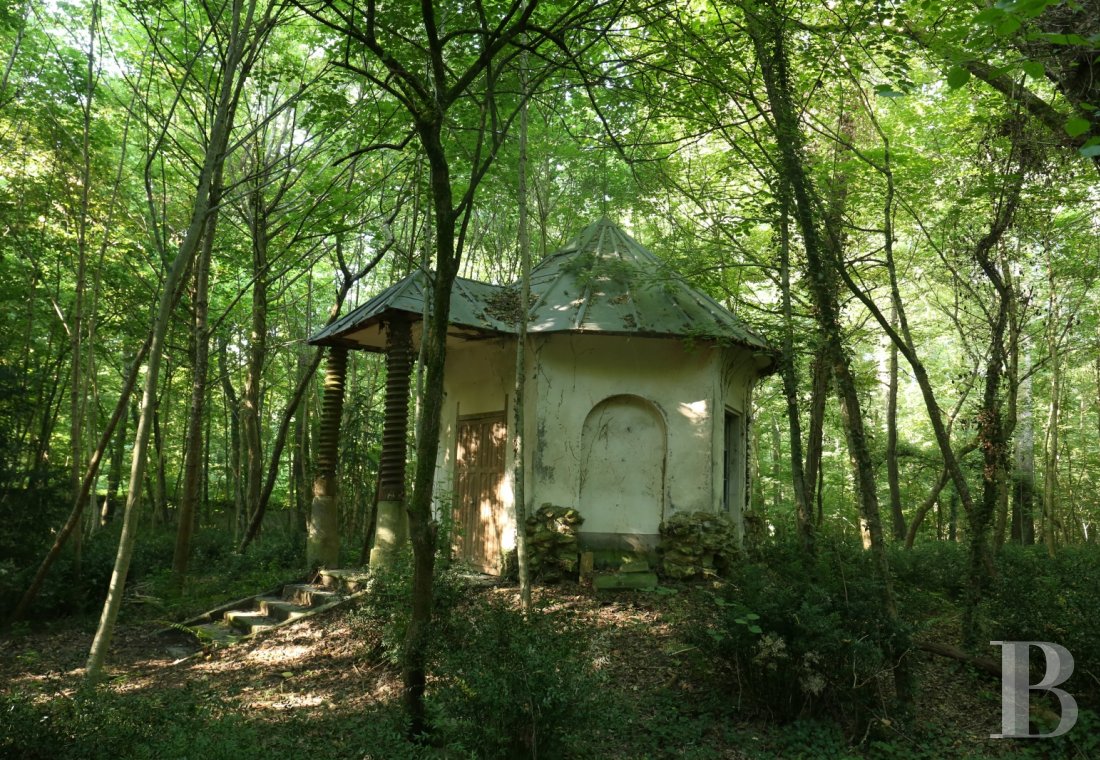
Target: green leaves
x=887, y=91
x=748, y=621
x=1090, y=149
x=957, y=77
x=1077, y=126
x=1033, y=69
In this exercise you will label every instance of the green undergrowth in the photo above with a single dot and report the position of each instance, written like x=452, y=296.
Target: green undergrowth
x=218, y=573
x=784, y=658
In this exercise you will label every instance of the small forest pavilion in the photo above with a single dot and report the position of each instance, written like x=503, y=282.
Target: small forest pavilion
x=637, y=397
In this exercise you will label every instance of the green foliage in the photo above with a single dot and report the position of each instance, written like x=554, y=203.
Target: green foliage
x=219, y=573
x=1038, y=598
x=937, y=567
x=104, y=725
x=384, y=611
x=806, y=640
x=510, y=687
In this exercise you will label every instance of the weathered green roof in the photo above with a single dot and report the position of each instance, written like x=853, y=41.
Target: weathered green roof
x=603, y=281
x=470, y=302
x=606, y=281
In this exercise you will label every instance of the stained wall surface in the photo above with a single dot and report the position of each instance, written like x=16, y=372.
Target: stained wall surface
x=628, y=430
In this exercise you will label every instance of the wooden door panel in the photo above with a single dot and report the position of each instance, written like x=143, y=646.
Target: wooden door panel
x=478, y=502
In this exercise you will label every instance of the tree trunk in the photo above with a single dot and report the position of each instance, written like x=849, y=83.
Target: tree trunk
x=1050, y=464
x=323, y=542
x=86, y=487
x=803, y=495
x=251, y=393
x=933, y=498
x=279, y=441
x=78, y=388
x=232, y=405
x=815, y=438
x=893, y=477
x=768, y=38
x=519, y=416
x=114, y=469
x=214, y=158
x=300, y=462
x=1023, y=499
x=193, y=447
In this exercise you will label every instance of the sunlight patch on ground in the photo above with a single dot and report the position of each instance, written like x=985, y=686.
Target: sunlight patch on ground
x=288, y=701
x=278, y=654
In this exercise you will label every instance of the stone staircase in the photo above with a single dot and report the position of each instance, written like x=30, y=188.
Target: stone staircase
x=273, y=608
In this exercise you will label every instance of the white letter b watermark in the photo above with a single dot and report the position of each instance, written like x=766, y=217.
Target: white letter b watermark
x=1016, y=687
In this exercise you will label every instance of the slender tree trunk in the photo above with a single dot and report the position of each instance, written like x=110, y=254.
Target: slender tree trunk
x=1023, y=501
x=803, y=495
x=522, y=316
x=81, y=497
x=1050, y=468
x=279, y=441
x=114, y=469
x=1010, y=414
x=158, y=479
x=221, y=126
x=815, y=438
x=300, y=462
x=193, y=447
x=893, y=477
x=422, y=530
x=768, y=37
x=78, y=388
x=233, y=406
x=251, y=393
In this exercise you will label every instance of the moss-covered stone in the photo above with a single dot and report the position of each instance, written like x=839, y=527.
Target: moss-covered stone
x=695, y=544
x=552, y=542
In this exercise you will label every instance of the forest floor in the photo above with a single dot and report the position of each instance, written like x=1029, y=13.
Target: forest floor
x=324, y=686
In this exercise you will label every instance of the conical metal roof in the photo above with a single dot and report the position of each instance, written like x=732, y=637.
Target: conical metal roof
x=603, y=281
x=606, y=281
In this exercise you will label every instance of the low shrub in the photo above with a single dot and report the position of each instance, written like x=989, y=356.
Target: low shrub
x=509, y=686
x=806, y=640
x=106, y=725
x=937, y=567
x=1034, y=597
x=383, y=613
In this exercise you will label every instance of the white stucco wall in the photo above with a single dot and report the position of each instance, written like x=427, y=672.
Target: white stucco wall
x=690, y=387
x=479, y=379
x=578, y=372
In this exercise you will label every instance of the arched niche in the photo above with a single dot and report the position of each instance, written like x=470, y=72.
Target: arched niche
x=622, y=476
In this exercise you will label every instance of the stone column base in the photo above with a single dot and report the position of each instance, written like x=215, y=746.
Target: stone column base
x=390, y=533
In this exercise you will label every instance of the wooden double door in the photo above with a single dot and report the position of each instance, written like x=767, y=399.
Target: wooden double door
x=478, y=511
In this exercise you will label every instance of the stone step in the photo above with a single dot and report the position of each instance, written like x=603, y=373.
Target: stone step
x=249, y=621
x=308, y=595
x=624, y=581
x=280, y=609
x=345, y=580
x=215, y=634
